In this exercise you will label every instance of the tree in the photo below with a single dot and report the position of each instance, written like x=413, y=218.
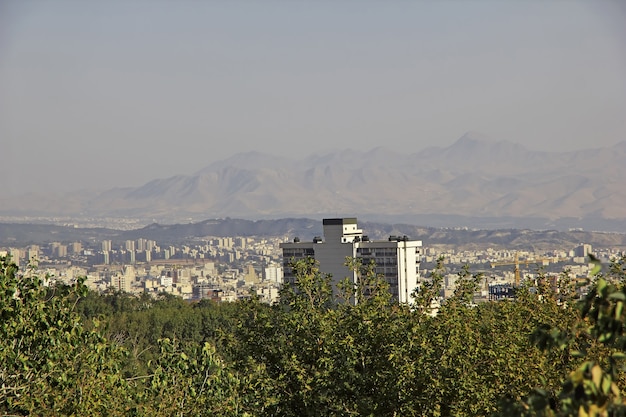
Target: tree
x=597, y=339
x=49, y=363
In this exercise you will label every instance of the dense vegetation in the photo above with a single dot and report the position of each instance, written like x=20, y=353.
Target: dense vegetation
x=68, y=351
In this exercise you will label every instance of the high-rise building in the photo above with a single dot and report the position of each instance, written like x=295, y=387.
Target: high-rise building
x=106, y=246
x=397, y=259
x=77, y=248
x=250, y=276
x=225, y=242
x=241, y=242
x=273, y=274
x=121, y=282
x=16, y=255
x=583, y=250
x=130, y=245
x=33, y=254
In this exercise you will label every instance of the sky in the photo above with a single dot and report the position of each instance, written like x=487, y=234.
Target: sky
x=100, y=94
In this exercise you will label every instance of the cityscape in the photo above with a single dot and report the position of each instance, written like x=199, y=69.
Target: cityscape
x=313, y=209
x=226, y=269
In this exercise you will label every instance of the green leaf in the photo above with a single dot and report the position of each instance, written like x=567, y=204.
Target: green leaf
x=606, y=384
x=619, y=307
x=604, y=337
x=596, y=269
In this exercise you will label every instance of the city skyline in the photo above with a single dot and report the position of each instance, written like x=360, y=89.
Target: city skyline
x=103, y=94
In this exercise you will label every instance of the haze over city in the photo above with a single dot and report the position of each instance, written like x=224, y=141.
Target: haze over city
x=290, y=208
x=104, y=94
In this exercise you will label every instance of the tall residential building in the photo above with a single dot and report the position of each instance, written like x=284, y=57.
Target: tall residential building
x=250, y=276
x=397, y=259
x=122, y=282
x=16, y=255
x=106, y=246
x=226, y=242
x=273, y=274
x=33, y=254
x=77, y=248
x=583, y=250
x=53, y=248
x=241, y=242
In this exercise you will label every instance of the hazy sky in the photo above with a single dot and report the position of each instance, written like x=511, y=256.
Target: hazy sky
x=114, y=93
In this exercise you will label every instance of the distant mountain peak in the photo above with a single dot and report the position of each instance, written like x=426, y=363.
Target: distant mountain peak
x=473, y=141
x=245, y=160
x=474, y=136
x=620, y=145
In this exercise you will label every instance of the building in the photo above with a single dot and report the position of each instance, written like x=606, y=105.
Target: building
x=273, y=274
x=130, y=245
x=501, y=292
x=33, y=255
x=107, y=246
x=123, y=281
x=583, y=250
x=77, y=248
x=397, y=259
x=16, y=255
x=250, y=277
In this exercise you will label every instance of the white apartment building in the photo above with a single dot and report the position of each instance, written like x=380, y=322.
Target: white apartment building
x=273, y=274
x=397, y=259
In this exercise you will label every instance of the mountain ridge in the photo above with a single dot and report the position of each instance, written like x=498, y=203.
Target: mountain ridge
x=13, y=234
x=472, y=178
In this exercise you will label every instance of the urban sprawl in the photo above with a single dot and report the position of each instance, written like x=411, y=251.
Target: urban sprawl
x=229, y=268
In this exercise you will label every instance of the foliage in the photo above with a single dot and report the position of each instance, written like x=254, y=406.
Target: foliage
x=470, y=357
x=594, y=387
x=353, y=351
x=428, y=292
x=192, y=379
x=49, y=364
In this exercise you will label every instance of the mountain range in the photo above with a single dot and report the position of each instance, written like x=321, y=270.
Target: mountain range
x=475, y=182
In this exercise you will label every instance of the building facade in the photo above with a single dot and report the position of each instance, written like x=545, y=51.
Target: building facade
x=583, y=250
x=397, y=259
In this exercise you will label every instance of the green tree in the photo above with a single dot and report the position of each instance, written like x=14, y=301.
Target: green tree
x=192, y=379
x=49, y=363
x=597, y=340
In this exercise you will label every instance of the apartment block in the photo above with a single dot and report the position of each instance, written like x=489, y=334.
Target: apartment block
x=397, y=259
